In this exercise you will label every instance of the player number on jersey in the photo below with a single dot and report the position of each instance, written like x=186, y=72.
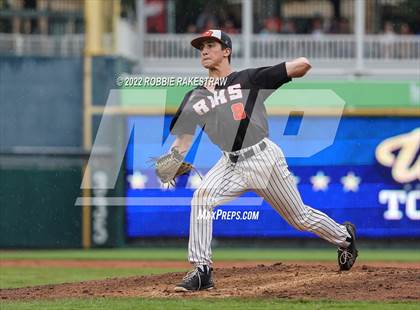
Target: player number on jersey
x=238, y=111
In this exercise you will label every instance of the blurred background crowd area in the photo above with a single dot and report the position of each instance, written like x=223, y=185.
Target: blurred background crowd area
x=317, y=17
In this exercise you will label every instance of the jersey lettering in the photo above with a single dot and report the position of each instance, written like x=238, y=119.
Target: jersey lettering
x=219, y=98
x=211, y=99
x=200, y=107
x=235, y=91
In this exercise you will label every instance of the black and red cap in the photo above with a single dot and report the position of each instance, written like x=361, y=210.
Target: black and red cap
x=219, y=35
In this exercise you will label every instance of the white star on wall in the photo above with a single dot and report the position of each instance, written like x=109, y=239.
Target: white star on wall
x=320, y=181
x=350, y=182
x=137, y=180
x=194, y=180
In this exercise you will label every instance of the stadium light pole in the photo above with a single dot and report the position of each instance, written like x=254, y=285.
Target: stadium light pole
x=116, y=12
x=93, y=13
x=247, y=30
x=141, y=30
x=359, y=30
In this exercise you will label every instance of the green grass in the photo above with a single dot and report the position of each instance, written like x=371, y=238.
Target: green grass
x=230, y=303
x=13, y=277
x=29, y=276
x=222, y=254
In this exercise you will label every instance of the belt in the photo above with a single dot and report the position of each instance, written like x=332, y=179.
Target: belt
x=248, y=154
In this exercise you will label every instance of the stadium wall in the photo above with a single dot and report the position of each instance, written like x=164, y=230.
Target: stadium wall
x=41, y=155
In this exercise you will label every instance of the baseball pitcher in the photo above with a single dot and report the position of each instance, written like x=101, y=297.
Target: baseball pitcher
x=234, y=117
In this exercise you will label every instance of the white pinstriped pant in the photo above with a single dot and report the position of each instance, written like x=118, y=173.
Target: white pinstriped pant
x=266, y=173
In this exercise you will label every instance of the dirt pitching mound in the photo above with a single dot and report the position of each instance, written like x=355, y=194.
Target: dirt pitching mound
x=280, y=280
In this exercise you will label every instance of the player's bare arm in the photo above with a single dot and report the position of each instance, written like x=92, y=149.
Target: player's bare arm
x=183, y=143
x=298, y=67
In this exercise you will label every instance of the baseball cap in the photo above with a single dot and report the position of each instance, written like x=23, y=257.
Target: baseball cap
x=219, y=35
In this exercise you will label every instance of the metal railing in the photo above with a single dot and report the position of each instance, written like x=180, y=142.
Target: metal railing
x=325, y=47
x=46, y=45
x=41, y=45
x=392, y=47
x=172, y=53
x=177, y=46
x=290, y=46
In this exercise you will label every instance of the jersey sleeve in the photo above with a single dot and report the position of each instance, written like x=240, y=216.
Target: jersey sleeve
x=269, y=77
x=184, y=121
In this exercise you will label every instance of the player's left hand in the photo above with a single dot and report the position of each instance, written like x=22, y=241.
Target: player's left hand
x=170, y=166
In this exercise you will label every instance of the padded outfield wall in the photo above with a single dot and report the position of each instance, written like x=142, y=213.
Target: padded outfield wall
x=41, y=155
x=369, y=175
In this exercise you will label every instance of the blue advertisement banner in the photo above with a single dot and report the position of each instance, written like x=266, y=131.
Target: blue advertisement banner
x=370, y=175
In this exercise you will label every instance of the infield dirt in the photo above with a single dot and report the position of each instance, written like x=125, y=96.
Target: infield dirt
x=305, y=281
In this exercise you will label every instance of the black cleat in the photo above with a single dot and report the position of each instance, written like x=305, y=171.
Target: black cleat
x=347, y=256
x=196, y=280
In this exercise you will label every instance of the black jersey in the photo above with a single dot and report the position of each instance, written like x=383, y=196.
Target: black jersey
x=233, y=116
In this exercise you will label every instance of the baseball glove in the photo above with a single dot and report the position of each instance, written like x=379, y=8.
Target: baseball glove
x=169, y=166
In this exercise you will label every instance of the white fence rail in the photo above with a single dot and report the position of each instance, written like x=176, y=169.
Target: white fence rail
x=46, y=45
x=325, y=47
x=41, y=45
x=172, y=53
x=177, y=46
